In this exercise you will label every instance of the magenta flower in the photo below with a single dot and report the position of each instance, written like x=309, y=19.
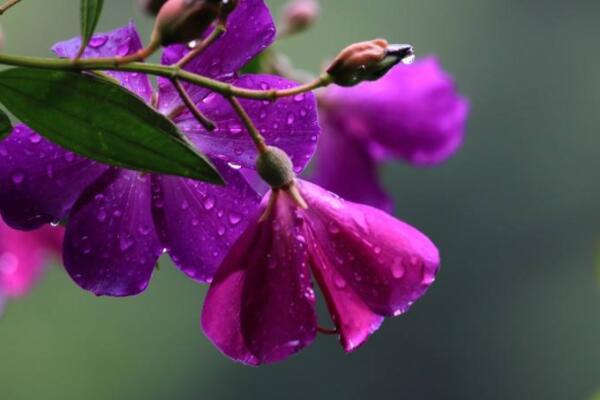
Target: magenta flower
x=22, y=257
x=119, y=221
x=413, y=114
x=260, y=308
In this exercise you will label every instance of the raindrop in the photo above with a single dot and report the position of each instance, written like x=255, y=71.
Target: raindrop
x=221, y=230
x=234, y=218
x=209, y=203
x=18, y=178
x=101, y=216
x=98, y=41
x=339, y=282
x=35, y=138
x=398, y=270
x=185, y=205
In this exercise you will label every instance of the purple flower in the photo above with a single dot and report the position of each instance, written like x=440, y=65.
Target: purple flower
x=22, y=257
x=260, y=308
x=119, y=221
x=414, y=114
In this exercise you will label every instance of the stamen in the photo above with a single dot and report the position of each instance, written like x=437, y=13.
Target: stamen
x=270, y=206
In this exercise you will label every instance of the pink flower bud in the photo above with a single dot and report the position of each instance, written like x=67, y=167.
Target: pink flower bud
x=181, y=21
x=298, y=15
x=367, y=61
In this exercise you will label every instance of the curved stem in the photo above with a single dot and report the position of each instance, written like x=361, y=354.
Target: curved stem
x=171, y=72
x=257, y=138
x=185, y=97
x=199, y=48
x=8, y=4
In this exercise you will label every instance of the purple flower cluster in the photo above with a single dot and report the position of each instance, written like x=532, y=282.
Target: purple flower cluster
x=258, y=255
x=413, y=114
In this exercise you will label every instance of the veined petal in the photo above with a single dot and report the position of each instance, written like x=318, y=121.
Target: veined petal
x=250, y=30
x=120, y=42
x=289, y=123
x=345, y=166
x=198, y=222
x=111, y=246
x=260, y=306
x=40, y=180
x=366, y=258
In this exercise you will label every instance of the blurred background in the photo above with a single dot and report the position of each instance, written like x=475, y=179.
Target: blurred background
x=515, y=313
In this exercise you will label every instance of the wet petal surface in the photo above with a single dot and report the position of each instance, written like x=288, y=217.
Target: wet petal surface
x=41, y=181
x=111, y=246
x=250, y=29
x=260, y=306
x=288, y=123
x=198, y=222
x=366, y=258
x=120, y=42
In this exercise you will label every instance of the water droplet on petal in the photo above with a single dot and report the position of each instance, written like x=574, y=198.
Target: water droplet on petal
x=18, y=178
x=339, y=282
x=209, y=203
x=98, y=41
x=398, y=269
x=234, y=218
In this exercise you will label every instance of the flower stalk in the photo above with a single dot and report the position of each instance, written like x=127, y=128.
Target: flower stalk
x=8, y=4
x=171, y=72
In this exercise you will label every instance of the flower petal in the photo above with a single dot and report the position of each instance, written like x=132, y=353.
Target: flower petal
x=40, y=180
x=250, y=30
x=120, y=42
x=413, y=113
x=364, y=253
x=22, y=257
x=198, y=222
x=345, y=166
x=111, y=246
x=260, y=306
x=288, y=123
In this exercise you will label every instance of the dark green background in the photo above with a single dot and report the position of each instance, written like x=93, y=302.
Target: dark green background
x=515, y=313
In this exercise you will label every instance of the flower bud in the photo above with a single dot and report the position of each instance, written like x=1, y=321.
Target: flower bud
x=275, y=167
x=151, y=7
x=298, y=15
x=368, y=61
x=181, y=21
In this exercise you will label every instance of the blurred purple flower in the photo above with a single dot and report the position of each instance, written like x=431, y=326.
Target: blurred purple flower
x=22, y=257
x=260, y=308
x=121, y=221
x=413, y=114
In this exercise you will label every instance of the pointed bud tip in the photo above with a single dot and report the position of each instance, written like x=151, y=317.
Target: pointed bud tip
x=368, y=61
x=299, y=15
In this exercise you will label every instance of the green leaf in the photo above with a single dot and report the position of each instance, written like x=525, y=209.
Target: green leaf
x=5, y=125
x=102, y=121
x=90, y=14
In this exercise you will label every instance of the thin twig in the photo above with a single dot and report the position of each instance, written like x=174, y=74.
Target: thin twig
x=199, y=48
x=257, y=138
x=187, y=100
x=8, y=4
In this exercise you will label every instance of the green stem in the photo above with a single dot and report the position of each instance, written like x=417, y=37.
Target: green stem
x=8, y=4
x=170, y=72
x=257, y=138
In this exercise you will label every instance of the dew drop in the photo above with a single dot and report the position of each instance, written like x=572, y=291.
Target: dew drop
x=209, y=203
x=98, y=41
x=339, y=282
x=235, y=218
x=35, y=138
x=398, y=269
x=18, y=178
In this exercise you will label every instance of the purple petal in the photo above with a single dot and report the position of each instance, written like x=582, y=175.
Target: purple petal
x=40, y=180
x=198, y=222
x=345, y=166
x=22, y=257
x=111, y=246
x=250, y=30
x=120, y=42
x=260, y=307
x=413, y=113
x=365, y=257
x=289, y=123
